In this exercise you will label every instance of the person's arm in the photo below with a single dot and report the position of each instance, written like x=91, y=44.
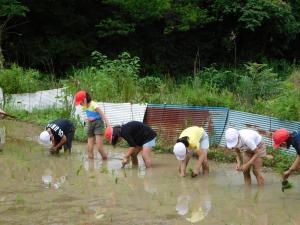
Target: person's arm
x=55, y=146
x=248, y=164
x=102, y=116
x=126, y=157
x=294, y=167
x=238, y=158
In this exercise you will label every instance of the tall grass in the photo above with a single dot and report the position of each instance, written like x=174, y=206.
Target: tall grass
x=18, y=80
x=253, y=87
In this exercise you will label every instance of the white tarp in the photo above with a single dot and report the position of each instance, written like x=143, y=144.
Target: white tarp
x=40, y=99
x=117, y=113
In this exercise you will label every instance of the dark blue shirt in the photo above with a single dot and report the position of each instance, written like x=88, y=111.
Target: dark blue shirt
x=137, y=133
x=59, y=128
x=294, y=141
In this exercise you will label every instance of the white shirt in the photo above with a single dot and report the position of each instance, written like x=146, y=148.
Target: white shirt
x=249, y=140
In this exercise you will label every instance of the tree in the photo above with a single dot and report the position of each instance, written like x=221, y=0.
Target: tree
x=8, y=10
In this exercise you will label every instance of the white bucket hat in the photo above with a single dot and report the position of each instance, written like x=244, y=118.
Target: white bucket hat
x=45, y=137
x=179, y=151
x=231, y=136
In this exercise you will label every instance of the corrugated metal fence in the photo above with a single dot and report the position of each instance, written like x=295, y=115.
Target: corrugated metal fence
x=170, y=120
x=167, y=120
x=265, y=125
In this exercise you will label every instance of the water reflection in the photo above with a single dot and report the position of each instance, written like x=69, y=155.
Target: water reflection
x=97, y=192
x=194, y=206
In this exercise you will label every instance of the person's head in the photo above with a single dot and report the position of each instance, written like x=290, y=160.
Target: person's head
x=180, y=148
x=45, y=137
x=112, y=134
x=280, y=137
x=232, y=137
x=82, y=97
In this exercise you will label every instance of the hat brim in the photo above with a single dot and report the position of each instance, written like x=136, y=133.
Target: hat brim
x=276, y=146
x=180, y=158
x=231, y=144
x=45, y=142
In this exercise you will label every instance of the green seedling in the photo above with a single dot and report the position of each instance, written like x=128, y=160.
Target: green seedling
x=104, y=170
x=286, y=185
x=190, y=172
x=78, y=170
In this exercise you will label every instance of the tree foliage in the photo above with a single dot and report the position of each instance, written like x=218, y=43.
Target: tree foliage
x=168, y=36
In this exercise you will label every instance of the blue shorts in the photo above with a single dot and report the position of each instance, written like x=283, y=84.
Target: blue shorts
x=149, y=144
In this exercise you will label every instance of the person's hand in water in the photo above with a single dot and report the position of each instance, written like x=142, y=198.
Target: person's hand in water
x=53, y=150
x=286, y=174
x=244, y=167
x=238, y=167
x=124, y=161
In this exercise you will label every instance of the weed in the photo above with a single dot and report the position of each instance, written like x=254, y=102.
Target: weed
x=79, y=169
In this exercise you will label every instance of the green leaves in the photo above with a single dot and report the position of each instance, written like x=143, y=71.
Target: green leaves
x=112, y=27
x=258, y=82
x=143, y=9
x=10, y=8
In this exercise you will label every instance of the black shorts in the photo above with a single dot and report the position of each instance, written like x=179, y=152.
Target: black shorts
x=70, y=137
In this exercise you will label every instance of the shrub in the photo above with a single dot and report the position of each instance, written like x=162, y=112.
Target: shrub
x=17, y=80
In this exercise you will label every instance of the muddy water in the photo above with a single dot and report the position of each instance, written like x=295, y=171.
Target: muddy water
x=36, y=188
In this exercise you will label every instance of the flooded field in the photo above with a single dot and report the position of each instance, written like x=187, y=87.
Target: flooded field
x=36, y=188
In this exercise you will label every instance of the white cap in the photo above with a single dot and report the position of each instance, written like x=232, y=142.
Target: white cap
x=231, y=136
x=179, y=150
x=45, y=137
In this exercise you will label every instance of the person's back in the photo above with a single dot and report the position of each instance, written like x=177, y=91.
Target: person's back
x=60, y=133
x=60, y=127
x=194, y=134
x=137, y=133
x=294, y=141
x=250, y=139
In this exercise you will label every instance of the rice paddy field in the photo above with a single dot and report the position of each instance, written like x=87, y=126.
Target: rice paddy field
x=37, y=188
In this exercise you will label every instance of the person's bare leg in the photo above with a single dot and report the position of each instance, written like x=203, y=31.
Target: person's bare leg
x=201, y=157
x=100, y=146
x=257, y=164
x=134, y=158
x=146, y=154
x=90, y=147
x=247, y=176
x=205, y=166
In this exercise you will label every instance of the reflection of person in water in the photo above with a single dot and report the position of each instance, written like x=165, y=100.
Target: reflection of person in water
x=148, y=182
x=253, y=215
x=195, y=208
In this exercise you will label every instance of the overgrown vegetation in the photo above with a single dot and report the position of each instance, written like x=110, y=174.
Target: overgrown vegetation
x=253, y=88
x=15, y=80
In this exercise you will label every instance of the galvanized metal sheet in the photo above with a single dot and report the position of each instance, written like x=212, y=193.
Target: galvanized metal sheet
x=169, y=120
x=264, y=125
